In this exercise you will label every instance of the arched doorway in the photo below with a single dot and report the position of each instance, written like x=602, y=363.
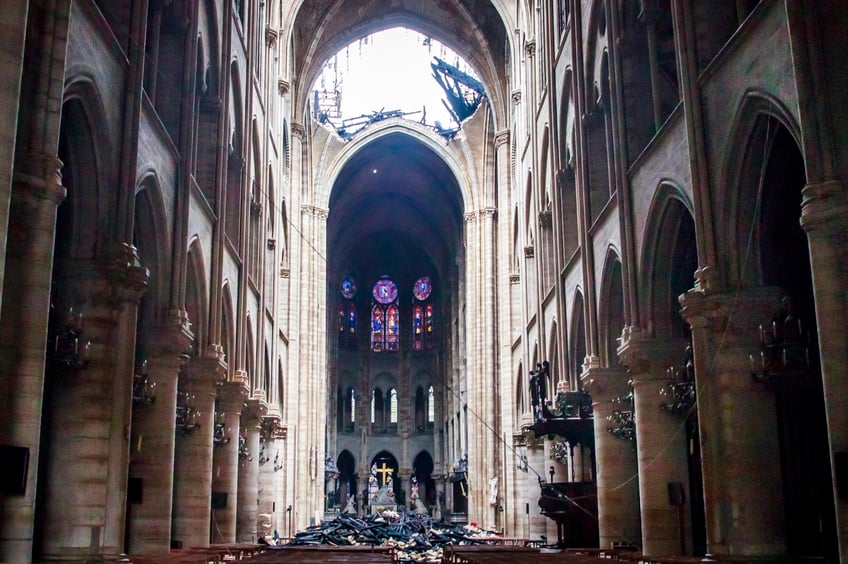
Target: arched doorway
x=422, y=469
x=347, y=478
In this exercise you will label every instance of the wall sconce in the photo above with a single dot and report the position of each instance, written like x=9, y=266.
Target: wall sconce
x=277, y=464
x=623, y=420
x=679, y=393
x=784, y=351
x=144, y=390
x=262, y=458
x=243, y=453
x=186, y=415
x=221, y=433
x=68, y=350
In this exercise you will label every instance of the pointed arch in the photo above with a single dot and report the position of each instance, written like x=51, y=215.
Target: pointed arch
x=150, y=237
x=85, y=149
x=197, y=297
x=754, y=127
x=520, y=403
x=669, y=260
x=611, y=308
x=228, y=329
x=577, y=345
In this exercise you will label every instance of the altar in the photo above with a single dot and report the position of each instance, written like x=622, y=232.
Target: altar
x=381, y=493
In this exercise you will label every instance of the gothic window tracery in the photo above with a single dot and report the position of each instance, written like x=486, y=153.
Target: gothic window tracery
x=347, y=319
x=385, y=316
x=422, y=315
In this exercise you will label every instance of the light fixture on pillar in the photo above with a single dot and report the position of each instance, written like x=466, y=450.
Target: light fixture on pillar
x=559, y=452
x=221, y=433
x=186, y=416
x=678, y=395
x=277, y=464
x=622, y=419
x=243, y=453
x=331, y=472
x=144, y=390
x=784, y=348
x=67, y=349
x=262, y=457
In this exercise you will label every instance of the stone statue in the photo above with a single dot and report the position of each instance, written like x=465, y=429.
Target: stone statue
x=350, y=507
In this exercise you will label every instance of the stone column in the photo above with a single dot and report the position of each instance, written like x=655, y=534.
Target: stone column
x=248, y=477
x=129, y=282
x=193, y=454
x=617, y=479
x=14, y=19
x=152, y=445
x=660, y=445
x=823, y=212
x=744, y=506
x=267, y=490
x=88, y=412
x=229, y=406
x=23, y=328
x=312, y=368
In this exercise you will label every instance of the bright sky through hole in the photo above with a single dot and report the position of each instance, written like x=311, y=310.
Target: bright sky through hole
x=389, y=70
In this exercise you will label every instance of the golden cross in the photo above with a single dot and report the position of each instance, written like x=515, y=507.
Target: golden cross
x=385, y=471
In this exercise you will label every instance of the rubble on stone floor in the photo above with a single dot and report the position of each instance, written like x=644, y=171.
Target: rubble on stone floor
x=414, y=537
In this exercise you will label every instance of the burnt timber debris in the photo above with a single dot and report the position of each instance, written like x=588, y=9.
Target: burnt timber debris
x=413, y=536
x=464, y=94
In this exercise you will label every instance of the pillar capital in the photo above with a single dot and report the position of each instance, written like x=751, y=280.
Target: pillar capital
x=283, y=86
x=604, y=383
x=129, y=277
x=255, y=410
x=648, y=358
x=824, y=209
x=41, y=174
x=501, y=138
x=205, y=372
x=272, y=427
x=735, y=313
x=173, y=338
x=231, y=397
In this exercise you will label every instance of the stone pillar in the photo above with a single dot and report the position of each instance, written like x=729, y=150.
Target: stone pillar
x=661, y=445
x=823, y=212
x=312, y=368
x=248, y=477
x=87, y=412
x=483, y=444
x=152, y=445
x=14, y=22
x=23, y=330
x=229, y=406
x=129, y=282
x=266, y=483
x=744, y=506
x=617, y=479
x=193, y=454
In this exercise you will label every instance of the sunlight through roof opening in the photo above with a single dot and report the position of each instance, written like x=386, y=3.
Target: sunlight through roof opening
x=395, y=73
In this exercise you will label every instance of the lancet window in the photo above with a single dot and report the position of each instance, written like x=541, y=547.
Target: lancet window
x=347, y=314
x=385, y=316
x=422, y=315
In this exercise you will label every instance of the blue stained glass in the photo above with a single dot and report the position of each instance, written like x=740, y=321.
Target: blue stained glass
x=422, y=288
x=348, y=287
x=384, y=291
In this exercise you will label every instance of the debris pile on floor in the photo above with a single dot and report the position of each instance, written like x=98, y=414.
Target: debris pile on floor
x=414, y=537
